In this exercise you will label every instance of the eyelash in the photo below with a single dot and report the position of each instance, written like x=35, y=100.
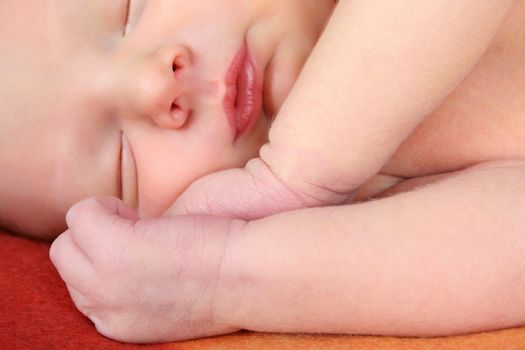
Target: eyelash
x=127, y=18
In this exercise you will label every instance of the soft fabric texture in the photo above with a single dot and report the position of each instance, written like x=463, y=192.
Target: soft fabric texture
x=37, y=313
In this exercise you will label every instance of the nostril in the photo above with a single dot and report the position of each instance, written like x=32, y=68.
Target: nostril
x=177, y=69
x=178, y=64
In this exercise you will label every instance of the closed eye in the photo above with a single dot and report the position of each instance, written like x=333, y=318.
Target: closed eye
x=134, y=11
x=120, y=168
x=127, y=15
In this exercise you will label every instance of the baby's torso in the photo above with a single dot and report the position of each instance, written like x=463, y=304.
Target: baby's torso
x=482, y=120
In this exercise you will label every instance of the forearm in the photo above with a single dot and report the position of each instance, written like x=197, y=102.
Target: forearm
x=441, y=260
x=377, y=71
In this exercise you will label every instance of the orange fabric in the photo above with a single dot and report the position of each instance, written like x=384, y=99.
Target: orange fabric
x=36, y=313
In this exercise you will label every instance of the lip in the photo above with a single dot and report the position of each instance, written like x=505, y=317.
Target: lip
x=243, y=96
x=128, y=174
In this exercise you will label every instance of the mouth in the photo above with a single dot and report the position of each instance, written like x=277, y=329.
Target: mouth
x=243, y=96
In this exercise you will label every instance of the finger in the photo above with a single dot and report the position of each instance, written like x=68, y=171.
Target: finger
x=72, y=264
x=249, y=193
x=80, y=301
x=85, y=305
x=96, y=223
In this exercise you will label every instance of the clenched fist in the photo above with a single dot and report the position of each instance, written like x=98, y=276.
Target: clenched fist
x=144, y=280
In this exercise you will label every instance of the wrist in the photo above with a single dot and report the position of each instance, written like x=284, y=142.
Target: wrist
x=247, y=288
x=264, y=275
x=311, y=176
x=229, y=286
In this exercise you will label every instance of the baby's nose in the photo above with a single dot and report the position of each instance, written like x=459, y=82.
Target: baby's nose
x=155, y=86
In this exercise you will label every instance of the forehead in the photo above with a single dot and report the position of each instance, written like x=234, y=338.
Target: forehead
x=41, y=40
x=44, y=23
x=38, y=42
x=27, y=39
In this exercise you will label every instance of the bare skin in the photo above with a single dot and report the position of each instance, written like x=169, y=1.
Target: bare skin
x=100, y=100
x=482, y=120
x=464, y=121
x=439, y=259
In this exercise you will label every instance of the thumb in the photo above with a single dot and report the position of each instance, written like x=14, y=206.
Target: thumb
x=249, y=193
x=98, y=217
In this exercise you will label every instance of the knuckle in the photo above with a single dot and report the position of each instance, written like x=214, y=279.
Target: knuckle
x=97, y=296
x=56, y=249
x=84, y=305
x=113, y=326
x=83, y=300
x=72, y=214
x=116, y=257
x=116, y=260
x=97, y=301
x=78, y=210
x=105, y=327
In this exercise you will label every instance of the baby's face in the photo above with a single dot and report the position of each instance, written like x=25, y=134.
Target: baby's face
x=137, y=100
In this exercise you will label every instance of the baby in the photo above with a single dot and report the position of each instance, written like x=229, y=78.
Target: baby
x=369, y=117
x=128, y=98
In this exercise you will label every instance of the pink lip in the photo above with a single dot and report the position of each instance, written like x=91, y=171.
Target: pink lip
x=243, y=97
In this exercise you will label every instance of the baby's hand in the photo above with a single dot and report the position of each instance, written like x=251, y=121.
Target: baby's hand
x=255, y=191
x=144, y=281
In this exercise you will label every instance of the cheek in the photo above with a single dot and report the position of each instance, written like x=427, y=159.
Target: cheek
x=311, y=16
x=164, y=175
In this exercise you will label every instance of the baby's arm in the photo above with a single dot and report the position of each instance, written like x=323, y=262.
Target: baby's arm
x=441, y=260
x=377, y=71
x=380, y=68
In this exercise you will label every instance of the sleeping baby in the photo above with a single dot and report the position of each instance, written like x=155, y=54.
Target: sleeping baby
x=94, y=106
x=385, y=198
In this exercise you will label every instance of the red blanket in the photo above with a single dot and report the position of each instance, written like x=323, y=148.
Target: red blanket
x=37, y=313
